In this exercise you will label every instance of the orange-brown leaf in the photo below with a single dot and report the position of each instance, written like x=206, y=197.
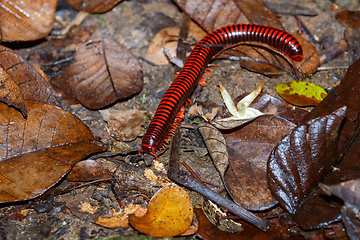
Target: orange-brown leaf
x=104, y=72
x=26, y=20
x=38, y=151
x=169, y=213
x=93, y=6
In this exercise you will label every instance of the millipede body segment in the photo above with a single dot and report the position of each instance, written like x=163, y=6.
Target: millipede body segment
x=196, y=64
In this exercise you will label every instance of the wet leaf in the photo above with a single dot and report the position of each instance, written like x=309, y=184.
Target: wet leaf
x=125, y=125
x=88, y=170
x=26, y=20
x=169, y=213
x=303, y=158
x=249, y=148
x=211, y=15
x=102, y=73
x=23, y=81
x=39, y=151
x=301, y=93
x=93, y=6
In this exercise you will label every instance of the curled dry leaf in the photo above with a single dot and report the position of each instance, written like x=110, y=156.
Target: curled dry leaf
x=169, y=213
x=125, y=125
x=212, y=15
x=303, y=158
x=88, y=170
x=26, y=20
x=249, y=148
x=104, y=72
x=30, y=83
x=93, y=6
x=37, y=152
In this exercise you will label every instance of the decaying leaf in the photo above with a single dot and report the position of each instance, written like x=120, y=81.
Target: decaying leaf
x=10, y=92
x=93, y=6
x=37, y=152
x=169, y=213
x=125, y=125
x=102, y=73
x=211, y=15
x=26, y=20
x=30, y=83
x=303, y=158
x=301, y=93
x=88, y=170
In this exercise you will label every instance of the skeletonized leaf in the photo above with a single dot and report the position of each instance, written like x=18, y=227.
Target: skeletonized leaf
x=301, y=93
x=169, y=213
x=26, y=20
x=38, y=151
x=104, y=72
x=303, y=158
x=31, y=84
x=93, y=6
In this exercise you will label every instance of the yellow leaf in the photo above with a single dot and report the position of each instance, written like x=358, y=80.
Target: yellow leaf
x=301, y=93
x=169, y=213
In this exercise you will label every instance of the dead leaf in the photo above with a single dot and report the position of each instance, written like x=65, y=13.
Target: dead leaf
x=169, y=213
x=93, y=6
x=348, y=18
x=119, y=219
x=88, y=170
x=348, y=191
x=212, y=15
x=104, y=72
x=301, y=93
x=125, y=125
x=303, y=158
x=26, y=20
x=37, y=152
x=30, y=84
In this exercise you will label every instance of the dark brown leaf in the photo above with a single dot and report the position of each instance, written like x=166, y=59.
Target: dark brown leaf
x=88, y=170
x=37, y=152
x=303, y=158
x=93, y=6
x=26, y=20
x=249, y=148
x=30, y=82
x=104, y=72
x=212, y=15
x=348, y=18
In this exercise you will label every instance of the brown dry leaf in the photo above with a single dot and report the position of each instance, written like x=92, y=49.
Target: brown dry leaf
x=348, y=18
x=104, y=72
x=93, y=6
x=249, y=148
x=212, y=15
x=125, y=125
x=169, y=213
x=155, y=52
x=10, y=92
x=88, y=170
x=30, y=82
x=26, y=20
x=39, y=151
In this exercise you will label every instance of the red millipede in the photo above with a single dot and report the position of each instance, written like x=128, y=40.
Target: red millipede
x=196, y=64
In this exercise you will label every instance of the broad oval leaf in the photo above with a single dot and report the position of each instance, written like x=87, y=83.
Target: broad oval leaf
x=303, y=158
x=31, y=84
x=26, y=20
x=38, y=151
x=93, y=6
x=104, y=72
x=169, y=213
x=301, y=93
